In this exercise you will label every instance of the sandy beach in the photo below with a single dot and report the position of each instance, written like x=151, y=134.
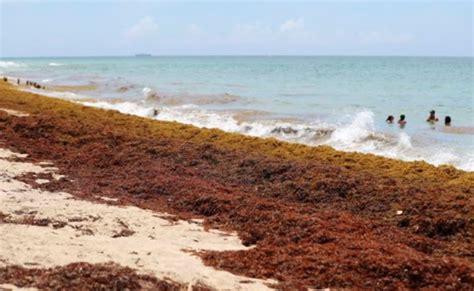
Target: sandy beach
x=99, y=199
x=47, y=229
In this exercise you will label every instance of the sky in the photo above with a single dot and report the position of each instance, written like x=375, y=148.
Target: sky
x=114, y=28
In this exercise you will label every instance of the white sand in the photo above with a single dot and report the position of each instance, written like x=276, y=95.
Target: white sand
x=157, y=246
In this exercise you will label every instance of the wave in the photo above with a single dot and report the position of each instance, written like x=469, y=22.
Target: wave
x=359, y=135
x=7, y=64
x=55, y=64
x=360, y=130
x=150, y=95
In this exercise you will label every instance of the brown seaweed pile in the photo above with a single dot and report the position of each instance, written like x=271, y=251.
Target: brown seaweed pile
x=317, y=217
x=84, y=276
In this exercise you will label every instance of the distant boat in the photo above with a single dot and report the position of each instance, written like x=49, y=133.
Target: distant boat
x=143, y=55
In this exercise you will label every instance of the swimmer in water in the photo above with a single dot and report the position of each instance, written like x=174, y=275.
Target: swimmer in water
x=432, y=118
x=390, y=119
x=402, y=122
x=447, y=121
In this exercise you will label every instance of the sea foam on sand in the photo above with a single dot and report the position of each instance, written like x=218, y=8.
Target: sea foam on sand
x=90, y=233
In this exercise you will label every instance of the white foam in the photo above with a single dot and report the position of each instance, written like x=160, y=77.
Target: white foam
x=441, y=158
x=55, y=64
x=8, y=64
x=150, y=96
x=358, y=135
x=146, y=91
x=124, y=107
x=404, y=142
x=467, y=163
x=355, y=133
x=191, y=114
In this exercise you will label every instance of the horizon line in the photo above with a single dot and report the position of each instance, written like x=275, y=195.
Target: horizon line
x=234, y=55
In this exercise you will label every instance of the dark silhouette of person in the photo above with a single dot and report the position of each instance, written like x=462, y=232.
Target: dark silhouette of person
x=390, y=119
x=432, y=118
x=447, y=121
x=402, y=121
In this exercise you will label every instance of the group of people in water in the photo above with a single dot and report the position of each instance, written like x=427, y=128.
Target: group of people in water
x=431, y=119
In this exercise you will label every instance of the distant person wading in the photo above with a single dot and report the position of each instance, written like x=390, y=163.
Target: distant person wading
x=402, y=122
x=390, y=119
x=447, y=121
x=432, y=117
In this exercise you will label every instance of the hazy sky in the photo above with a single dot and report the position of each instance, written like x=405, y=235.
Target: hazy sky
x=99, y=28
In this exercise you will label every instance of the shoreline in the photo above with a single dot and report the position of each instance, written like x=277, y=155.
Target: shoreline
x=84, y=101
x=315, y=217
x=361, y=134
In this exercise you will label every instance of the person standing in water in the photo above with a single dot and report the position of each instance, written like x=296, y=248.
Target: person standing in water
x=390, y=119
x=447, y=121
x=402, y=122
x=432, y=118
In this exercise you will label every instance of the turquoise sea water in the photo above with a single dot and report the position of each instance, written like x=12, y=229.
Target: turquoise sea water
x=338, y=101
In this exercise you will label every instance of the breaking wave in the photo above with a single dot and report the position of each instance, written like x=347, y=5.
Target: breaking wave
x=358, y=135
x=55, y=64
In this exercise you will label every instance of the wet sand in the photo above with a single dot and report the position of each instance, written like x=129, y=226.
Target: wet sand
x=312, y=217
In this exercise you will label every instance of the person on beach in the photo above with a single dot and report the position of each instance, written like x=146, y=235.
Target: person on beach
x=18, y=81
x=390, y=119
x=447, y=121
x=402, y=122
x=432, y=118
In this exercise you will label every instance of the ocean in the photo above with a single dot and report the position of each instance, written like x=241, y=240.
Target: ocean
x=316, y=100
